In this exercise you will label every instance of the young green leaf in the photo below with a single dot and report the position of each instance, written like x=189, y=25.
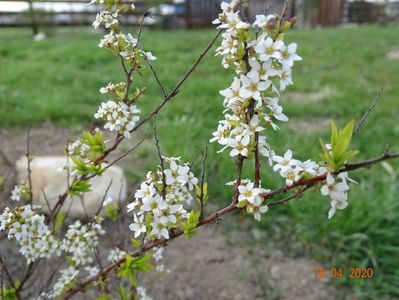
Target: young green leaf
x=191, y=225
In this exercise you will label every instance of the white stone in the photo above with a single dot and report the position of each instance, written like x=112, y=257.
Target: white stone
x=39, y=37
x=49, y=176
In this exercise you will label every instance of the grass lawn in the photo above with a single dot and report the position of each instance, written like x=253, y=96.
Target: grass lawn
x=56, y=80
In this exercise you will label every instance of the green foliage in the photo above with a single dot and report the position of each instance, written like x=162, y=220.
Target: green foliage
x=102, y=296
x=9, y=294
x=1, y=181
x=59, y=221
x=79, y=187
x=131, y=265
x=136, y=243
x=95, y=142
x=86, y=169
x=123, y=293
x=111, y=211
x=340, y=141
x=190, y=228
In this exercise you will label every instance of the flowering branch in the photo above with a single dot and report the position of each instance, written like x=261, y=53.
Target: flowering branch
x=262, y=64
x=208, y=220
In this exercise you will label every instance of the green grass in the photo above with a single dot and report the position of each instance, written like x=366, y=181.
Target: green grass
x=57, y=80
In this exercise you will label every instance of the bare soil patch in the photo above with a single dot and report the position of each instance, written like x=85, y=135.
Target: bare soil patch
x=209, y=267
x=393, y=55
x=310, y=125
x=312, y=97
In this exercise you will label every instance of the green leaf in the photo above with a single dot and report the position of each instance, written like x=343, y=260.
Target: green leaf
x=340, y=141
x=190, y=228
x=133, y=264
x=80, y=187
x=123, y=293
x=102, y=297
x=111, y=211
x=136, y=243
x=9, y=294
x=80, y=165
x=59, y=221
x=334, y=133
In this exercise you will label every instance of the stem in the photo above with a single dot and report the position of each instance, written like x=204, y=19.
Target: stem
x=201, y=198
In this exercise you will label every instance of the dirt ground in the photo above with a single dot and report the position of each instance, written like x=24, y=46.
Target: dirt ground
x=213, y=265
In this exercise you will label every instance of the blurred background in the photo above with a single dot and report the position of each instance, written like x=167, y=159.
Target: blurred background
x=51, y=70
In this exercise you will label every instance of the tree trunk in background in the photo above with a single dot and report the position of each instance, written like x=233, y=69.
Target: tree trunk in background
x=33, y=18
x=299, y=6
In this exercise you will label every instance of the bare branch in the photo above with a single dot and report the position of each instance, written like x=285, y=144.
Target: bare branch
x=161, y=160
x=4, y=268
x=366, y=114
x=257, y=160
x=104, y=197
x=201, y=198
x=161, y=87
x=28, y=157
x=6, y=159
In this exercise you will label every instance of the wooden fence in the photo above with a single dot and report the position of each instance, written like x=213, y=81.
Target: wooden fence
x=191, y=13
x=195, y=13
x=73, y=13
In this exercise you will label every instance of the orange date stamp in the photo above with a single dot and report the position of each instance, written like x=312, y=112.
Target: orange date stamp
x=338, y=272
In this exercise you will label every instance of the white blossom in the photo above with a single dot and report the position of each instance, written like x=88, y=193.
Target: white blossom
x=138, y=227
x=118, y=116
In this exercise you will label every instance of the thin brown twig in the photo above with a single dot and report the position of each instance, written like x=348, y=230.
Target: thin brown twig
x=368, y=111
x=7, y=272
x=154, y=73
x=161, y=160
x=284, y=11
x=28, y=157
x=201, y=198
x=6, y=159
x=104, y=197
x=257, y=160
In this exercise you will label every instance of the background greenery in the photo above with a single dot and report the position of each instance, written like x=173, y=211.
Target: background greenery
x=57, y=81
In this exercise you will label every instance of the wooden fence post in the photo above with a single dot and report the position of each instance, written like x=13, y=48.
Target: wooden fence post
x=187, y=13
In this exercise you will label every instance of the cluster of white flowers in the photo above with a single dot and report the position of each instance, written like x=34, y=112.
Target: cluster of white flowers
x=158, y=256
x=30, y=231
x=263, y=66
x=158, y=208
x=81, y=240
x=142, y=293
x=250, y=198
x=113, y=88
x=119, y=116
x=78, y=148
x=20, y=191
x=294, y=170
x=252, y=100
x=116, y=255
x=336, y=187
x=106, y=18
x=68, y=275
